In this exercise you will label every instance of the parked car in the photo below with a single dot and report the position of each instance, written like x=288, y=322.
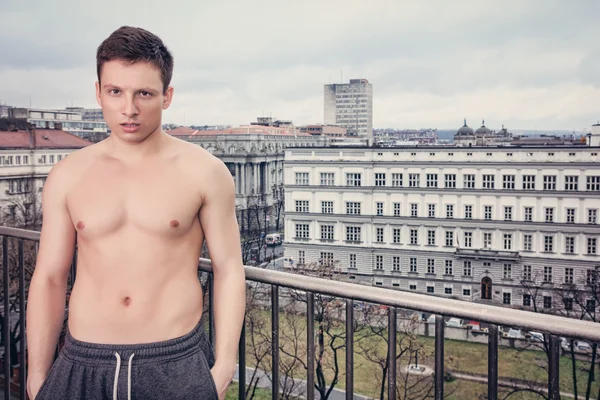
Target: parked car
x=273, y=239
x=454, y=323
x=514, y=334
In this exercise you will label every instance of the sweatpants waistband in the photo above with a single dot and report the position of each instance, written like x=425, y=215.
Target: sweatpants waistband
x=98, y=353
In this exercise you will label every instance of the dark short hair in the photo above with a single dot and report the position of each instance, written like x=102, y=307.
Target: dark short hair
x=130, y=44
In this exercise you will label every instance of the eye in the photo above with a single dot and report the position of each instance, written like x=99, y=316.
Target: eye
x=114, y=91
x=145, y=94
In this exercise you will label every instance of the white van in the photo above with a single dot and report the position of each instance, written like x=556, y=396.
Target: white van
x=273, y=239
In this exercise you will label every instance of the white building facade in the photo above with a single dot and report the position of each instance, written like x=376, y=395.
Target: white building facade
x=467, y=223
x=350, y=105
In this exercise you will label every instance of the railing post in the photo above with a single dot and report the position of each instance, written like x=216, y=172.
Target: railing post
x=310, y=344
x=242, y=363
x=553, y=368
x=22, y=336
x=392, y=320
x=439, y=357
x=6, y=277
x=349, y=349
x=493, y=363
x=275, y=342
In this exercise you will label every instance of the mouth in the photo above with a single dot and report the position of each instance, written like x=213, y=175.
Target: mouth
x=127, y=125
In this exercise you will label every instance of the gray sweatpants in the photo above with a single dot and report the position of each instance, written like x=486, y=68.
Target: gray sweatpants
x=173, y=369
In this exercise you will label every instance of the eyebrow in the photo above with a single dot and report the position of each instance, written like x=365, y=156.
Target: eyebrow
x=143, y=89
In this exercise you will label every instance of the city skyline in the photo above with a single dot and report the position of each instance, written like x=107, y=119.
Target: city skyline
x=525, y=66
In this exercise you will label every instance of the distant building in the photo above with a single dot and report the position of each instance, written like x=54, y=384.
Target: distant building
x=350, y=105
x=593, y=139
x=327, y=130
x=404, y=137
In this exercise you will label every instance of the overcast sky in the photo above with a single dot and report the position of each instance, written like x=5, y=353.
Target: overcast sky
x=526, y=64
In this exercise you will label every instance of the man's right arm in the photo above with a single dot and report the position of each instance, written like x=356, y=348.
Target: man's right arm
x=47, y=290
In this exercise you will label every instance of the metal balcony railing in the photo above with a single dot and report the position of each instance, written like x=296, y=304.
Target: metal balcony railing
x=553, y=326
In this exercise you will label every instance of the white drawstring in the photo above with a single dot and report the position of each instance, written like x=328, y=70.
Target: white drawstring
x=117, y=370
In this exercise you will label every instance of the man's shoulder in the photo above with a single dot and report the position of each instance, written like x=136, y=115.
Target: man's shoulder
x=70, y=167
x=198, y=160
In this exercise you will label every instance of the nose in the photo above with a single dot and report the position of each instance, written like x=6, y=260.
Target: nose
x=129, y=108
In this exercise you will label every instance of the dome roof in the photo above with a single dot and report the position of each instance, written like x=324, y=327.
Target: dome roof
x=483, y=130
x=465, y=130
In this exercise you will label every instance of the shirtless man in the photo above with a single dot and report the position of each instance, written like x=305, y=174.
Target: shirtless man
x=139, y=206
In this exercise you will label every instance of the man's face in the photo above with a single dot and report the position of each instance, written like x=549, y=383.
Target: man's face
x=132, y=99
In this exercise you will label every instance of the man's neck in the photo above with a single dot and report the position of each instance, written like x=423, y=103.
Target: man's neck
x=132, y=153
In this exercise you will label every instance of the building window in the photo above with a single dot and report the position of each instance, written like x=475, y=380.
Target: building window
x=591, y=246
x=526, y=300
x=397, y=180
x=448, y=290
x=487, y=213
x=430, y=289
x=593, y=184
x=302, y=178
x=592, y=216
x=379, y=263
x=570, y=244
x=469, y=181
x=396, y=235
x=507, y=241
x=526, y=272
x=302, y=206
x=380, y=179
x=507, y=271
x=547, y=274
x=397, y=208
x=449, y=211
x=506, y=298
x=548, y=243
x=301, y=257
x=379, y=208
x=568, y=302
x=487, y=240
x=414, y=210
x=467, y=269
x=527, y=242
x=568, y=275
x=450, y=181
x=570, y=215
x=488, y=181
x=468, y=239
x=549, y=214
x=353, y=233
x=302, y=231
x=508, y=213
x=547, y=301
x=528, y=214
x=466, y=292
x=352, y=261
x=468, y=212
x=327, y=178
x=448, y=269
x=431, y=210
x=352, y=208
x=431, y=238
x=414, y=238
x=430, y=266
x=449, y=238
x=590, y=305
x=327, y=207
x=549, y=182
x=412, y=286
x=413, y=264
x=592, y=276
x=353, y=179
x=327, y=232
x=379, y=235
x=326, y=258
x=571, y=182
x=528, y=182
x=508, y=182
x=432, y=180
x=396, y=263
x=413, y=180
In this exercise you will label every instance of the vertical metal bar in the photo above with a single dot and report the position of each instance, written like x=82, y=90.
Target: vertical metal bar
x=6, y=327
x=439, y=357
x=392, y=318
x=211, y=317
x=22, y=337
x=493, y=363
x=275, y=342
x=310, y=344
x=553, y=368
x=242, y=363
x=349, y=349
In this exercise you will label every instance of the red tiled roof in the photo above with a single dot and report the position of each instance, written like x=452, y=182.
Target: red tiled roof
x=242, y=130
x=44, y=139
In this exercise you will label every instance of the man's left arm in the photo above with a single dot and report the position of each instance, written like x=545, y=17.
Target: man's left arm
x=222, y=235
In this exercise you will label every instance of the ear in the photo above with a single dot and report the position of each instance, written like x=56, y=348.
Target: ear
x=168, y=97
x=98, y=98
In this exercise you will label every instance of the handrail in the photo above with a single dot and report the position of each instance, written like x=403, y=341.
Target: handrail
x=553, y=324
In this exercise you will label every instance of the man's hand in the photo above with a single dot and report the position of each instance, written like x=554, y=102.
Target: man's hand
x=34, y=383
x=222, y=377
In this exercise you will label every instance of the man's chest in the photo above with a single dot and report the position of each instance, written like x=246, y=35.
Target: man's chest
x=163, y=203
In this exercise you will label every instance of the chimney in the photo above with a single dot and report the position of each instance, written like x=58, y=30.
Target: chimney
x=58, y=126
x=32, y=141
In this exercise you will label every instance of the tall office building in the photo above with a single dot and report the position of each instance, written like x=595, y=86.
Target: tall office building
x=350, y=105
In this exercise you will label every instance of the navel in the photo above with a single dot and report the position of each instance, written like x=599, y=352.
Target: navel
x=80, y=225
x=174, y=223
x=126, y=301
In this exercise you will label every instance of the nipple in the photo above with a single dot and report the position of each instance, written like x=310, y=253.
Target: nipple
x=80, y=225
x=174, y=223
